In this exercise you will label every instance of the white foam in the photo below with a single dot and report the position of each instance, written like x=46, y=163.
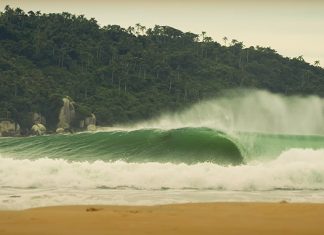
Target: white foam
x=45, y=182
x=293, y=169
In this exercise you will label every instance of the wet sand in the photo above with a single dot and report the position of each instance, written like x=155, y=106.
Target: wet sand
x=202, y=218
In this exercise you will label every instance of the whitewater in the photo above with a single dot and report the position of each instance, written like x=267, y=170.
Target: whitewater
x=243, y=146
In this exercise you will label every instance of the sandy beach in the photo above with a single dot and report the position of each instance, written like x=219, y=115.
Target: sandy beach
x=204, y=218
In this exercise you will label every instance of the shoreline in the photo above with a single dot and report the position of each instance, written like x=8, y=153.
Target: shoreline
x=192, y=218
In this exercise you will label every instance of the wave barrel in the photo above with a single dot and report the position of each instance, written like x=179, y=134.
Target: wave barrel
x=185, y=145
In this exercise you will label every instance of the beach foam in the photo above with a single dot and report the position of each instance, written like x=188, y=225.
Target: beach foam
x=293, y=169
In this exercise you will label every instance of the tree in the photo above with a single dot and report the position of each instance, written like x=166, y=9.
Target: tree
x=300, y=58
x=130, y=30
x=208, y=39
x=225, y=39
x=234, y=42
x=138, y=27
x=317, y=63
x=203, y=34
x=129, y=74
x=142, y=28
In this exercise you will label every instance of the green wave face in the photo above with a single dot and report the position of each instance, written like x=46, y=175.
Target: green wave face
x=185, y=145
x=257, y=146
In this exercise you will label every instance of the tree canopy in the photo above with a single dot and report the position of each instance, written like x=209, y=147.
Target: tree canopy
x=130, y=74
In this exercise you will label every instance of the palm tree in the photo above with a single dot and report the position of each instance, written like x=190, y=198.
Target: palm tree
x=317, y=63
x=138, y=28
x=208, y=39
x=300, y=58
x=130, y=30
x=234, y=41
x=143, y=29
x=203, y=33
x=225, y=40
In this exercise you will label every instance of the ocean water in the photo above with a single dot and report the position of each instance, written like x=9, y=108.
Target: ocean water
x=203, y=154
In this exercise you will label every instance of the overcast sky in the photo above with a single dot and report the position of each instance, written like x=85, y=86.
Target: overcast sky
x=292, y=28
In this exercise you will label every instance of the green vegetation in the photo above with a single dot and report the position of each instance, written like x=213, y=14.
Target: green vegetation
x=129, y=74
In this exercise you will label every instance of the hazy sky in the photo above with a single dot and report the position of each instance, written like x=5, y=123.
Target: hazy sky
x=292, y=28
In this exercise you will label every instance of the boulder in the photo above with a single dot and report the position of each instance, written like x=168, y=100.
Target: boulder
x=67, y=113
x=9, y=128
x=89, y=123
x=91, y=127
x=82, y=124
x=38, y=129
x=60, y=130
x=90, y=120
x=38, y=119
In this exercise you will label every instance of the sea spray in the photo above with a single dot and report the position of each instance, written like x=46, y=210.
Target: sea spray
x=247, y=111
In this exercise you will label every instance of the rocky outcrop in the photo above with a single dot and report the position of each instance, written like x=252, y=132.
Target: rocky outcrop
x=38, y=119
x=38, y=129
x=90, y=120
x=39, y=123
x=89, y=123
x=60, y=130
x=67, y=114
x=73, y=117
x=91, y=127
x=9, y=128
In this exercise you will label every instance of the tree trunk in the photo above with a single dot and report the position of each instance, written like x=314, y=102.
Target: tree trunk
x=118, y=86
x=15, y=91
x=86, y=93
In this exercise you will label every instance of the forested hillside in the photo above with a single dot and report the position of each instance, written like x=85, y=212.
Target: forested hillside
x=125, y=75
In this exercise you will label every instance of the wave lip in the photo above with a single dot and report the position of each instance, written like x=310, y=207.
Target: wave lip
x=184, y=145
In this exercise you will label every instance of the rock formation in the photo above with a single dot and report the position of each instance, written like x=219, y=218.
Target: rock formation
x=66, y=116
x=9, y=128
x=59, y=130
x=89, y=123
x=39, y=123
x=91, y=127
x=38, y=119
x=38, y=129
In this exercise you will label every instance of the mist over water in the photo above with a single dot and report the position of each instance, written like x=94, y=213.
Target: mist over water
x=248, y=111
